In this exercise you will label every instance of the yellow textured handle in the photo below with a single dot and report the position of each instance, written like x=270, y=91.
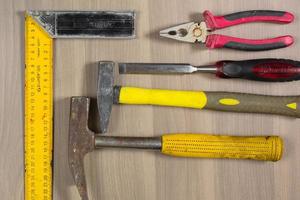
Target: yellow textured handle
x=214, y=146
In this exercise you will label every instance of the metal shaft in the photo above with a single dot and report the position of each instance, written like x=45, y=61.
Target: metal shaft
x=206, y=69
x=128, y=142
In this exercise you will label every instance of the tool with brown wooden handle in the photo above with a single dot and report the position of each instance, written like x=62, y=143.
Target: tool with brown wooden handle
x=82, y=141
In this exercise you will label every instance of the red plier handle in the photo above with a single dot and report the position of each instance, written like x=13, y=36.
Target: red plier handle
x=219, y=22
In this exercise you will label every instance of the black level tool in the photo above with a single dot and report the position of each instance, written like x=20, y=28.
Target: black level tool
x=269, y=70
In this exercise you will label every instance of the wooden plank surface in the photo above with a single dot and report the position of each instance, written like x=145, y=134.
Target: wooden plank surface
x=127, y=175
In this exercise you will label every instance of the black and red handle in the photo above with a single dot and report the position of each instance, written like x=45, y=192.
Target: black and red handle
x=220, y=41
x=218, y=22
x=269, y=70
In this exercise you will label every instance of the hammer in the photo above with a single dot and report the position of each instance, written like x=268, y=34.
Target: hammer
x=82, y=141
x=221, y=101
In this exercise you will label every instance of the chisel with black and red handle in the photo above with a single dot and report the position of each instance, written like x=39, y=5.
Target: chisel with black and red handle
x=269, y=70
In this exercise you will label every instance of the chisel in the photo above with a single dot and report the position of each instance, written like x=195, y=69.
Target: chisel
x=269, y=70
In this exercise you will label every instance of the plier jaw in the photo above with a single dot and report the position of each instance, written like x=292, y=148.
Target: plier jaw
x=188, y=32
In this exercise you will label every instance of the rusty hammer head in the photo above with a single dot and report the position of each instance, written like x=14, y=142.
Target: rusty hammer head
x=81, y=141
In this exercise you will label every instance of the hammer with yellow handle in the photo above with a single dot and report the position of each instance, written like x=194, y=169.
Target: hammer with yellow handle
x=107, y=94
x=82, y=141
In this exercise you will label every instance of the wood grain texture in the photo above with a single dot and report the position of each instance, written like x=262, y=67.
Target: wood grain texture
x=144, y=175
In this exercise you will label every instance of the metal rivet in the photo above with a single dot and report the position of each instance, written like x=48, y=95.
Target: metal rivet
x=197, y=32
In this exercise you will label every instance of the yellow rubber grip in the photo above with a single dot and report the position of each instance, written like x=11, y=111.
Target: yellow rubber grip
x=214, y=146
x=189, y=99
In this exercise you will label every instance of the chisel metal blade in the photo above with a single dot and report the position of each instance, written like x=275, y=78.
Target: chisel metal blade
x=157, y=68
x=161, y=68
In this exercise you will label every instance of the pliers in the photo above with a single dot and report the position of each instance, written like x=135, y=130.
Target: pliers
x=200, y=31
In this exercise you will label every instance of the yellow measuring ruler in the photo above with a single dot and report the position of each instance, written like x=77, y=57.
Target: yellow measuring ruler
x=41, y=27
x=38, y=112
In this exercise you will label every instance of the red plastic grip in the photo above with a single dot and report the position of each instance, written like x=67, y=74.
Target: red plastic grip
x=276, y=71
x=218, y=22
x=220, y=41
x=267, y=69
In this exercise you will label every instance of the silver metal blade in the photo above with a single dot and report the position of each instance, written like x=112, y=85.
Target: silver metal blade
x=163, y=68
x=155, y=68
x=179, y=32
x=188, y=32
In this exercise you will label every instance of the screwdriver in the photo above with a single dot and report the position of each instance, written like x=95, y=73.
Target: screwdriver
x=268, y=70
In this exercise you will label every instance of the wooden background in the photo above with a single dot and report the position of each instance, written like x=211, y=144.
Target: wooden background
x=144, y=175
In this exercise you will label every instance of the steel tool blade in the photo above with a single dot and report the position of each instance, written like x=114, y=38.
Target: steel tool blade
x=161, y=68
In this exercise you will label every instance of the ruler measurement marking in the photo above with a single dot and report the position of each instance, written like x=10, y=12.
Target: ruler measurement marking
x=38, y=112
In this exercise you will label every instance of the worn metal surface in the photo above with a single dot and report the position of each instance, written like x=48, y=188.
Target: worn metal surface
x=87, y=24
x=163, y=68
x=188, y=32
x=105, y=93
x=116, y=95
x=128, y=142
x=81, y=141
